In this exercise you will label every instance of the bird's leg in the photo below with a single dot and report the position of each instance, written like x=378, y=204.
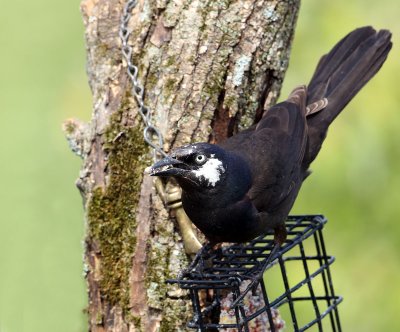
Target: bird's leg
x=198, y=258
x=279, y=239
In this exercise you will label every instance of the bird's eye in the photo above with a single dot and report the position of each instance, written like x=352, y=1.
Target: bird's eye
x=200, y=159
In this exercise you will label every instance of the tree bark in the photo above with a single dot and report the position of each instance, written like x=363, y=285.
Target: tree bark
x=209, y=68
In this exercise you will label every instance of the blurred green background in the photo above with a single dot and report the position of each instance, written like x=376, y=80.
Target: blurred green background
x=355, y=183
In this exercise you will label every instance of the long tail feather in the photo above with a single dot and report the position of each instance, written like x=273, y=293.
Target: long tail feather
x=339, y=76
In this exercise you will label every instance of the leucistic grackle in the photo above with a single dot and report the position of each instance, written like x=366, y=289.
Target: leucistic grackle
x=246, y=186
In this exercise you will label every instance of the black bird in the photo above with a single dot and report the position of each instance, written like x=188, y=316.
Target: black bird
x=246, y=186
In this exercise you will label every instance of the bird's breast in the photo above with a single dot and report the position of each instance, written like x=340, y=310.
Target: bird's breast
x=235, y=222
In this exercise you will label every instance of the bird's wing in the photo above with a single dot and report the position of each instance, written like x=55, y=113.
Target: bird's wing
x=274, y=150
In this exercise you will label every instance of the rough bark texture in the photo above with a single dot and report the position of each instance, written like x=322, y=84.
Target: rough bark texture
x=209, y=68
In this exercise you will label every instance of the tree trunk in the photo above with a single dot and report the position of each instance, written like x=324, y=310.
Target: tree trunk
x=209, y=68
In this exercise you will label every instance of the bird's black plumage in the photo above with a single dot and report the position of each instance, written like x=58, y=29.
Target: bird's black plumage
x=247, y=185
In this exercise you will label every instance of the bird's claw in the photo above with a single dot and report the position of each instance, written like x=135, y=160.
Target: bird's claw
x=184, y=274
x=197, y=265
x=252, y=286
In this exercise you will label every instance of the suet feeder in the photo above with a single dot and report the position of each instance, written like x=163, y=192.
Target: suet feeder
x=296, y=292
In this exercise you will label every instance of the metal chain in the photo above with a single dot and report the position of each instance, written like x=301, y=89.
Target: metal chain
x=153, y=137
x=151, y=134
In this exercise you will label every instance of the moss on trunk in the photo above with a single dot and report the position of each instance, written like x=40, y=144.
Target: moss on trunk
x=111, y=211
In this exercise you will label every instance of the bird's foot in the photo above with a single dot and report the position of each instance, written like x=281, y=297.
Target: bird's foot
x=252, y=286
x=197, y=264
x=184, y=273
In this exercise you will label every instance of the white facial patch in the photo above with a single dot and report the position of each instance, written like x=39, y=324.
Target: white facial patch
x=211, y=171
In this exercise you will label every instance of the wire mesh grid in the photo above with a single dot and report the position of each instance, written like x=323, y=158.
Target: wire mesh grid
x=296, y=291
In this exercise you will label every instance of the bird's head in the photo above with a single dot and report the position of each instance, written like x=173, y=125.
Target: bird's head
x=200, y=165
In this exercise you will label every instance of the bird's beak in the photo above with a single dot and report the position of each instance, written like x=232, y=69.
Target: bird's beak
x=165, y=167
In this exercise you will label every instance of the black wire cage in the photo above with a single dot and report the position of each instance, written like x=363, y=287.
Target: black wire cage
x=296, y=293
